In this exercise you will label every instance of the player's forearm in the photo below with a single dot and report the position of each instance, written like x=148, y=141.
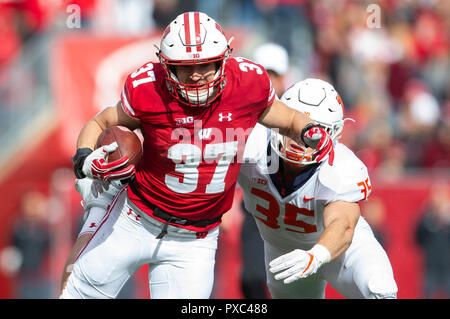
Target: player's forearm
x=89, y=134
x=337, y=237
x=289, y=122
x=297, y=123
x=339, y=220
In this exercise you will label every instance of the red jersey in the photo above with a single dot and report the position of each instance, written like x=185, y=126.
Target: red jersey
x=192, y=155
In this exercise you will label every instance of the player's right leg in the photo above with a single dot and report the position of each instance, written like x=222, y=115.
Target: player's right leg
x=184, y=267
x=94, y=217
x=364, y=270
x=80, y=243
x=110, y=258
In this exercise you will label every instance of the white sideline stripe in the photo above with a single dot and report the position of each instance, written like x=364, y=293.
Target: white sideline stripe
x=271, y=94
x=127, y=105
x=102, y=221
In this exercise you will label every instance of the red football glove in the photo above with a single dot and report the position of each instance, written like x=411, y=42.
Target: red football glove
x=317, y=138
x=95, y=165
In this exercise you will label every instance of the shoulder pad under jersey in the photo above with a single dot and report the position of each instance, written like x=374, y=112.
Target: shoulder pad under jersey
x=144, y=85
x=252, y=79
x=256, y=146
x=348, y=174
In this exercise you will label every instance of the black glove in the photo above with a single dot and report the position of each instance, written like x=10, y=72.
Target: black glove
x=78, y=161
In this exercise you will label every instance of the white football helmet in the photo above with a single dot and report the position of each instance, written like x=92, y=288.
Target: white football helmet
x=321, y=102
x=194, y=38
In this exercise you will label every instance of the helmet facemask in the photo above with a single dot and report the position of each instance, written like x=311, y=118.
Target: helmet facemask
x=195, y=95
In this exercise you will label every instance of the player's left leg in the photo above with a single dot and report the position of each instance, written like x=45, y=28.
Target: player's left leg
x=80, y=243
x=111, y=257
x=93, y=219
x=183, y=267
x=364, y=270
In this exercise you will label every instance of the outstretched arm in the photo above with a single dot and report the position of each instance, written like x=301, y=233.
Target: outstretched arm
x=289, y=121
x=96, y=199
x=340, y=220
x=299, y=127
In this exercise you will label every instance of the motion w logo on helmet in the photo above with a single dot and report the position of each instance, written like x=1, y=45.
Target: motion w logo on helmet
x=197, y=31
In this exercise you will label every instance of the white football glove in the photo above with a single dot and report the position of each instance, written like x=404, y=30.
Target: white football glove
x=95, y=165
x=97, y=193
x=299, y=263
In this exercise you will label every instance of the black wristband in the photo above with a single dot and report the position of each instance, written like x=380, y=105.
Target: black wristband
x=78, y=161
x=306, y=128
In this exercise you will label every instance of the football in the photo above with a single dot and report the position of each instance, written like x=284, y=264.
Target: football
x=129, y=144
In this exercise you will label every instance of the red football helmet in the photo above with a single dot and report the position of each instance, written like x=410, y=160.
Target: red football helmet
x=194, y=38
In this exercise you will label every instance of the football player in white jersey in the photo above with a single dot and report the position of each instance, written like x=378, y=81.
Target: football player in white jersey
x=307, y=211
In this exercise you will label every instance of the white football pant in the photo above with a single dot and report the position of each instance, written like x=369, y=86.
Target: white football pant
x=180, y=264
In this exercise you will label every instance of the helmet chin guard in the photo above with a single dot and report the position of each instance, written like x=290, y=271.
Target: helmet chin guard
x=321, y=102
x=194, y=38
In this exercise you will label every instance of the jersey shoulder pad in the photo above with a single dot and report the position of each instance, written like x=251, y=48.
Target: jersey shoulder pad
x=346, y=174
x=144, y=84
x=252, y=79
x=256, y=146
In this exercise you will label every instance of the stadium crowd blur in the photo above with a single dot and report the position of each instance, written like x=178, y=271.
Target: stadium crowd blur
x=390, y=62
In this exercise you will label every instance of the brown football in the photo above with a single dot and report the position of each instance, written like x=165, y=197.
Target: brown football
x=129, y=144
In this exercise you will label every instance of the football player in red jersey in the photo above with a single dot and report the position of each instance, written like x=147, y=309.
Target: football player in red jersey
x=196, y=109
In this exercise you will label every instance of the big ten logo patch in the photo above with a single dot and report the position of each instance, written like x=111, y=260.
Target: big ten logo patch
x=259, y=180
x=184, y=120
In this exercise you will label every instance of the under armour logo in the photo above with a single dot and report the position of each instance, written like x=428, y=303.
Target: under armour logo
x=258, y=180
x=221, y=117
x=93, y=225
x=201, y=234
x=130, y=212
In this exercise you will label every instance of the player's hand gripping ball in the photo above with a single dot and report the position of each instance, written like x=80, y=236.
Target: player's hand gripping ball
x=118, y=151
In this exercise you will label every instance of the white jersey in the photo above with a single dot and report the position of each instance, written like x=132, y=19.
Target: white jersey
x=296, y=220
